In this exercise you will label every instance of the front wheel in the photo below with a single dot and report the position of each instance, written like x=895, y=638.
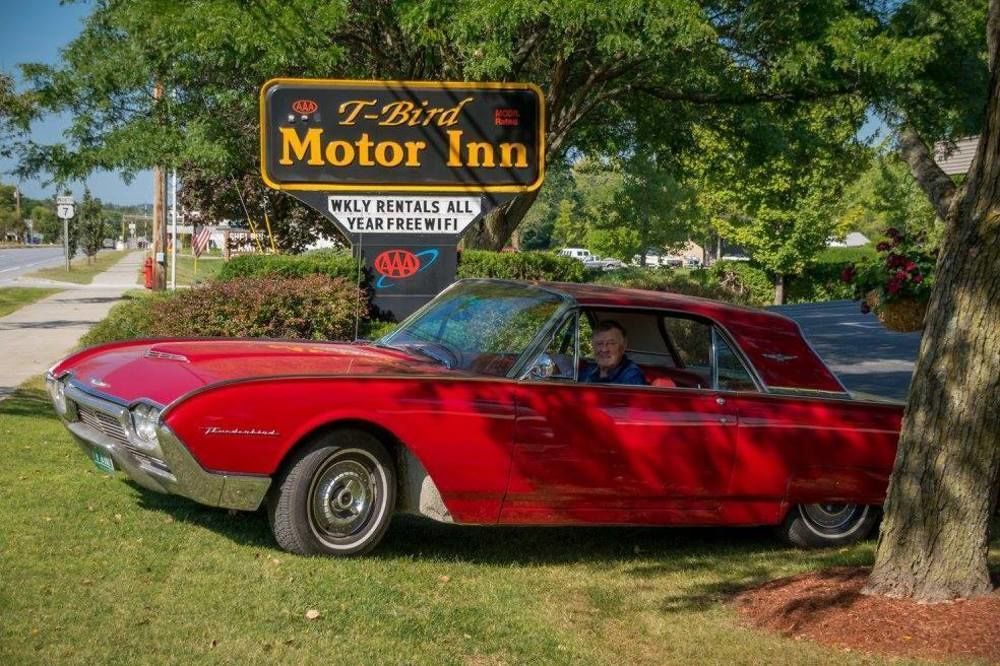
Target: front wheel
x=827, y=525
x=336, y=496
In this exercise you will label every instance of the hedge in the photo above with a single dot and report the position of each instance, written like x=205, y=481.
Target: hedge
x=331, y=263
x=520, y=266
x=701, y=283
x=742, y=278
x=821, y=280
x=314, y=307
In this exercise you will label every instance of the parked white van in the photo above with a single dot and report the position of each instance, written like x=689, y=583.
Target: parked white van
x=577, y=253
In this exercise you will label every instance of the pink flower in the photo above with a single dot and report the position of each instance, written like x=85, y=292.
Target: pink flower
x=918, y=278
x=883, y=246
x=893, y=287
x=848, y=274
x=911, y=266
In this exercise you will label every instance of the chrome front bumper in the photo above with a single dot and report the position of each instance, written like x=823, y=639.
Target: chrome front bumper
x=165, y=466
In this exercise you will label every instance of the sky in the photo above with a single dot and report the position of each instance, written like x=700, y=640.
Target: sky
x=35, y=31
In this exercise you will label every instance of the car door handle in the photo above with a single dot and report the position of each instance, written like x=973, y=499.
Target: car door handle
x=725, y=420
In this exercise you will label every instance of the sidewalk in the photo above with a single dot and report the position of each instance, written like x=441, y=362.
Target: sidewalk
x=38, y=335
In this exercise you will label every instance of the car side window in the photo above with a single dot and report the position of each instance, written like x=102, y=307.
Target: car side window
x=732, y=374
x=691, y=342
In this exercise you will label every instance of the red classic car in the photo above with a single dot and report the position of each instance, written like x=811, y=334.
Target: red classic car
x=471, y=412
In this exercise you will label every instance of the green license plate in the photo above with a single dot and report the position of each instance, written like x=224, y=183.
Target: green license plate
x=103, y=461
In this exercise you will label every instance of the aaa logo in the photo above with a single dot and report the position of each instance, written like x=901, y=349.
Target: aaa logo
x=304, y=106
x=400, y=264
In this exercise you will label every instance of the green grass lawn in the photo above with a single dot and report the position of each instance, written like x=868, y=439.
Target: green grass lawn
x=81, y=272
x=208, y=268
x=95, y=570
x=13, y=298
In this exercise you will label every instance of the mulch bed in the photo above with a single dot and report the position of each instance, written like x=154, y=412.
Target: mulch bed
x=828, y=607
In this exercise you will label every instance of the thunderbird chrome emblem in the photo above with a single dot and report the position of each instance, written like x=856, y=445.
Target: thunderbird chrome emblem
x=780, y=358
x=97, y=382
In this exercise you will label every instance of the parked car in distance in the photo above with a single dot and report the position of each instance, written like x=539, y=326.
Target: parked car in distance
x=473, y=411
x=603, y=264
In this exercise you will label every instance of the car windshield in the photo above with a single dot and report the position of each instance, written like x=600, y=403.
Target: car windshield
x=483, y=327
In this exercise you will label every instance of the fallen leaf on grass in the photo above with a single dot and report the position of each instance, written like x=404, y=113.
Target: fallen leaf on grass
x=312, y=614
x=444, y=579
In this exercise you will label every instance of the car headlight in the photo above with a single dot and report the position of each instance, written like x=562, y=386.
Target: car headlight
x=57, y=390
x=145, y=419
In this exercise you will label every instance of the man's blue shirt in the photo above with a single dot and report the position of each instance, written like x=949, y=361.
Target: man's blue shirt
x=627, y=372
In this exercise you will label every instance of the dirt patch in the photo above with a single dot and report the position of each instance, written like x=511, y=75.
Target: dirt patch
x=828, y=607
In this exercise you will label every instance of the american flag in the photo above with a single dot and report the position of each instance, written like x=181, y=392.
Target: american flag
x=199, y=242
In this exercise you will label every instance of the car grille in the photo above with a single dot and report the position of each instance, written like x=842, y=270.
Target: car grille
x=105, y=423
x=110, y=426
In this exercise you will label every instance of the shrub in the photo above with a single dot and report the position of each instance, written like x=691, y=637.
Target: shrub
x=519, y=266
x=336, y=263
x=127, y=320
x=690, y=283
x=314, y=307
x=745, y=280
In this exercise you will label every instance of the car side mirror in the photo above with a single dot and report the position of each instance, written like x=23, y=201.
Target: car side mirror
x=543, y=368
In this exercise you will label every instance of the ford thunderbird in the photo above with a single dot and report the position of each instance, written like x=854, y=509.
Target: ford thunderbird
x=474, y=411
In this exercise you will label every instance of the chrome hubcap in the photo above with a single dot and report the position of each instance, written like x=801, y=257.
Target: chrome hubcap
x=342, y=498
x=832, y=519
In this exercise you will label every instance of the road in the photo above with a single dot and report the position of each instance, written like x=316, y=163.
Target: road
x=15, y=262
x=866, y=356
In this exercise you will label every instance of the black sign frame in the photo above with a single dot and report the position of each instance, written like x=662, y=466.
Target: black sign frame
x=518, y=124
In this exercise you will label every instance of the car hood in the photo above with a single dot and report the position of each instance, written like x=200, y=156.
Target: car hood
x=163, y=371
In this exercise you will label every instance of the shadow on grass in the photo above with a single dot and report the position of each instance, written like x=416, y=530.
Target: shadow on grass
x=751, y=554
x=29, y=400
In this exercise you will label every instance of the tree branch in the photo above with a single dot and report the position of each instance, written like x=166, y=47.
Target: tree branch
x=935, y=183
x=746, y=99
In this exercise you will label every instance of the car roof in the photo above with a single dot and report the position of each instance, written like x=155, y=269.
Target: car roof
x=773, y=343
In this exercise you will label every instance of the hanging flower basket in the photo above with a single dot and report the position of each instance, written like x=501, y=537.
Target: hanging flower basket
x=903, y=315
x=896, y=286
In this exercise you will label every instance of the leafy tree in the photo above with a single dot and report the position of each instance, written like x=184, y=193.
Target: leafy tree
x=613, y=74
x=649, y=209
x=46, y=223
x=15, y=112
x=886, y=196
x=782, y=206
x=90, y=225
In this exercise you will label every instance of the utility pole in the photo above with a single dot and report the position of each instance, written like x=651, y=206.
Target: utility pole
x=159, y=218
x=17, y=208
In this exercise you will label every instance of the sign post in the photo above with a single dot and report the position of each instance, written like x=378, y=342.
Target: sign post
x=65, y=209
x=402, y=168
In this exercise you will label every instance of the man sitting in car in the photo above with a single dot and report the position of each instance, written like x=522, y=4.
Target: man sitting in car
x=613, y=367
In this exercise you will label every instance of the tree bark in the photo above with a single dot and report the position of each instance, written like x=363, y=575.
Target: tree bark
x=779, y=289
x=940, y=188
x=492, y=233
x=934, y=540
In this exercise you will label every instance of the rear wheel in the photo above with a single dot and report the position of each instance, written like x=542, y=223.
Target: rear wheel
x=827, y=525
x=336, y=496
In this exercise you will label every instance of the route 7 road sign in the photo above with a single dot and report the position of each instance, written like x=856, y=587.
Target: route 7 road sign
x=65, y=207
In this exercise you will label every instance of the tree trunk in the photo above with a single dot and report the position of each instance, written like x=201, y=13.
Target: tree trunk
x=498, y=225
x=779, y=289
x=943, y=492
